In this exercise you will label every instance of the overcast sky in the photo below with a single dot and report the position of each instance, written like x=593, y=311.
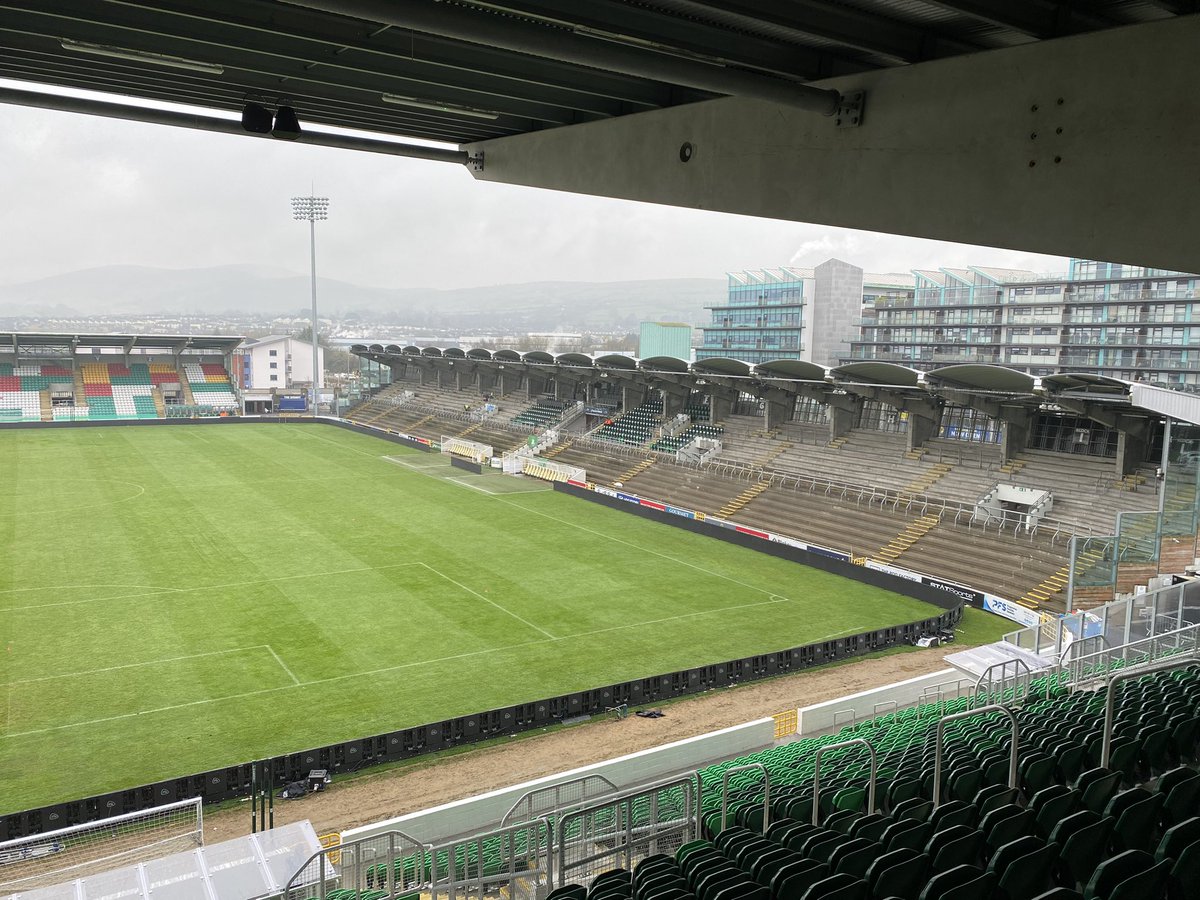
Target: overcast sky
x=83, y=191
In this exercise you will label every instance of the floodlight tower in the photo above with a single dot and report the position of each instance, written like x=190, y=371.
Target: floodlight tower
x=312, y=210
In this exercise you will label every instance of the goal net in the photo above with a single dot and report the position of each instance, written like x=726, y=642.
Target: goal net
x=53, y=857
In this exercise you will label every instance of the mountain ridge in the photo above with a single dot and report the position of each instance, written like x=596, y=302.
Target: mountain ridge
x=266, y=290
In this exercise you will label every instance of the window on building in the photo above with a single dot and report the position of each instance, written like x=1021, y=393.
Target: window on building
x=272, y=353
x=274, y=377
x=274, y=365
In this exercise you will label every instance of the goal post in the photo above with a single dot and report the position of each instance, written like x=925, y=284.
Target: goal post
x=52, y=857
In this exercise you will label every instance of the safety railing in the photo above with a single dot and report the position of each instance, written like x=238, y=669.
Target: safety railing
x=939, y=745
x=842, y=745
x=391, y=862
x=516, y=861
x=1110, y=697
x=621, y=830
x=1021, y=676
x=748, y=767
x=557, y=798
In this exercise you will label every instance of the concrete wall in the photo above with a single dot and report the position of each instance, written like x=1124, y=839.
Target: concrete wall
x=483, y=811
x=832, y=714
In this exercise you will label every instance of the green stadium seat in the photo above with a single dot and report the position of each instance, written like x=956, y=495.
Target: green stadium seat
x=1176, y=838
x=1185, y=874
x=838, y=887
x=959, y=883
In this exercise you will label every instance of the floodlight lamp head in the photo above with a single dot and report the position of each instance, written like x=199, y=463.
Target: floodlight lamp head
x=256, y=118
x=287, y=126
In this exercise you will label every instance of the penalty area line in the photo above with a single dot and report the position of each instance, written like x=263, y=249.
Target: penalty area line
x=387, y=669
x=282, y=664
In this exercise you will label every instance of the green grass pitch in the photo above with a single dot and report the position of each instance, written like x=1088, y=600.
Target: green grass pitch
x=177, y=599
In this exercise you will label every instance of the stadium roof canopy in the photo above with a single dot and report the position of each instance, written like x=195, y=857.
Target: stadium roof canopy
x=859, y=108
x=469, y=71
x=30, y=342
x=979, y=385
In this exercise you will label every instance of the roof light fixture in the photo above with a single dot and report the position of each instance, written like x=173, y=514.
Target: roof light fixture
x=439, y=106
x=158, y=59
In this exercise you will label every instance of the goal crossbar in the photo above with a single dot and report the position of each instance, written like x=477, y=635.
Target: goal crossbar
x=52, y=856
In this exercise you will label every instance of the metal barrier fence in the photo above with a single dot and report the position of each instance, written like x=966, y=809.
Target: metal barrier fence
x=622, y=830
x=1121, y=622
x=515, y=861
x=392, y=862
x=557, y=798
x=959, y=513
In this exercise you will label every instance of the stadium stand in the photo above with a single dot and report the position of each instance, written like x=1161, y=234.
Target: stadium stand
x=23, y=390
x=545, y=413
x=685, y=437
x=636, y=427
x=863, y=494
x=210, y=385
x=1043, y=820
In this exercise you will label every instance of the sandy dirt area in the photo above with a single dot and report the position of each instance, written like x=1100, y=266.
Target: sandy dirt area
x=371, y=797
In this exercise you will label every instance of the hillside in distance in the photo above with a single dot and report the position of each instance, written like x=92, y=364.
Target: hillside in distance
x=536, y=306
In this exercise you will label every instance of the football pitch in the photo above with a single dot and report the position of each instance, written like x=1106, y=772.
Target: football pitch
x=178, y=599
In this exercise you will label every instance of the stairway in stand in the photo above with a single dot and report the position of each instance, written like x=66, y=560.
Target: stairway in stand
x=555, y=450
x=160, y=406
x=46, y=405
x=1013, y=466
x=469, y=430
x=636, y=470
x=1057, y=583
x=922, y=484
x=912, y=532
x=773, y=454
x=742, y=499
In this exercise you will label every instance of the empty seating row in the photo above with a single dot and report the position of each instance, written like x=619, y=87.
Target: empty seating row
x=685, y=437
x=210, y=385
x=635, y=427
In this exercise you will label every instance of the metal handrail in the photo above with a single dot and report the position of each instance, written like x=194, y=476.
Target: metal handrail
x=1080, y=662
x=841, y=745
x=349, y=849
x=1017, y=665
x=939, y=745
x=766, y=792
x=883, y=497
x=1110, y=697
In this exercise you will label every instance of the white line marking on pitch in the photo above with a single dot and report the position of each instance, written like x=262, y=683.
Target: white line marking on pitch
x=500, y=498
x=43, y=510
x=213, y=587
x=459, y=480
x=486, y=600
x=291, y=674
x=386, y=669
x=682, y=562
x=152, y=662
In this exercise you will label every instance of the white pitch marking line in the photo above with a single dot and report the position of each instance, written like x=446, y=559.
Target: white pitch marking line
x=387, y=669
x=213, y=587
x=74, y=509
x=408, y=465
x=152, y=662
x=459, y=481
x=500, y=498
x=291, y=674
x=618, y=540
x=72, y=587
x=488, y=601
